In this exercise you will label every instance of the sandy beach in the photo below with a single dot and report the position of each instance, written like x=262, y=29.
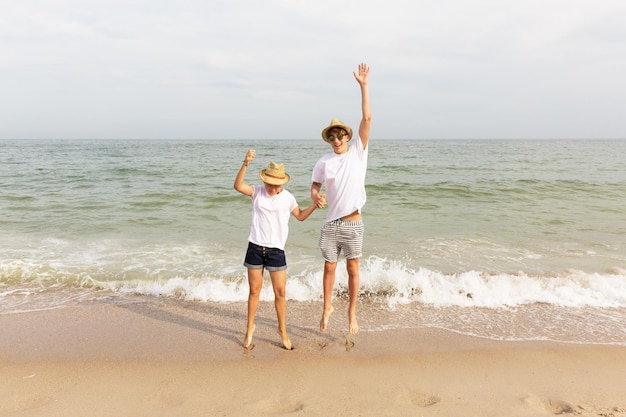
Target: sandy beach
x=164, y=358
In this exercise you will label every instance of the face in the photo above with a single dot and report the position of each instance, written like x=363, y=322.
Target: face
x=273, y=189
x=338, y=139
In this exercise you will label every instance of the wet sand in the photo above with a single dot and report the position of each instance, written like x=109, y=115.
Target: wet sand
x=164, y=358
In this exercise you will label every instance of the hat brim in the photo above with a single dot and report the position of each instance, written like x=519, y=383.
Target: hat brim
x=333, y=125
x=273, y=180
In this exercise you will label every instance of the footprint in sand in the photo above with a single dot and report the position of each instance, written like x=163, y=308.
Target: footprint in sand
x=406, y=395
x=612, y=412
x=322, y=344
x=559, y=406
x=273, y=407
x=167, y=395
x=247, y=351
x=169, y=399
x=32, y=403
x=425, y=400
x=551, y=405
x=349, y=344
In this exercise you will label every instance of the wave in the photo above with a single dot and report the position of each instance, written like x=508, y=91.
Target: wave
x=389, y=283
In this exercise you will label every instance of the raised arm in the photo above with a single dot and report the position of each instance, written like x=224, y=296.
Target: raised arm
x=364, y=127
x=240, y=185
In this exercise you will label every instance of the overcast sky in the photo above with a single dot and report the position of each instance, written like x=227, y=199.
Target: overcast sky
x=282, y=69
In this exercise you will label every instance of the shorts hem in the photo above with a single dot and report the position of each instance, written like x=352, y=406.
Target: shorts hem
x=337, y=260
x=269, y=268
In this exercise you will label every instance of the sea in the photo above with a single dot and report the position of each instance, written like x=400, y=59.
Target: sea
x=499, y=239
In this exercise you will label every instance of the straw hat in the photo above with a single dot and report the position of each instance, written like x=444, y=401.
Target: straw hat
x=274, y=174
x=333, y=124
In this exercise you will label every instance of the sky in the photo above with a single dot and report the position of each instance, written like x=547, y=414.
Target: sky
x=282, y=69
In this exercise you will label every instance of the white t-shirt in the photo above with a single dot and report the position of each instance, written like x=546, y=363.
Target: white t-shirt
x=343, y=177
x=270, y=217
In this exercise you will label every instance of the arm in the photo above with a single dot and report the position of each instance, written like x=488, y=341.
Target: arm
x=364, y=127
x=302, y=215
x=242, y=187
x=318, y=199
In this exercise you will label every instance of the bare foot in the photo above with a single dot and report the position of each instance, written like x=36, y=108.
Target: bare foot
x=247, y=342
x=286, y=342
x=353, y=326
x=349, y=343
x=325, y=316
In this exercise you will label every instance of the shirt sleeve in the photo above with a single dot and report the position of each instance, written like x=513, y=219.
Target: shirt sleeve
x=318, y=172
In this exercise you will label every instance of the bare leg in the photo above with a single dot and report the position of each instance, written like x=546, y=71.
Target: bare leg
x=255, y=281
x=279, y=282
x=329, y=284
x=352, y=265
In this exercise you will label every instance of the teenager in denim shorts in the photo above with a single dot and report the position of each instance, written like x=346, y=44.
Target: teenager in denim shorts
x=271, y=208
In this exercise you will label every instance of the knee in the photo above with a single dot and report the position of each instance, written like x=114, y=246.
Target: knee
x=352, y=265
x=330, y=267
x=279, y=292
x=255, y=290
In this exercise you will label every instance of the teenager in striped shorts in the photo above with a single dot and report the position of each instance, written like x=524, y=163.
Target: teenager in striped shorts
x=342, y=174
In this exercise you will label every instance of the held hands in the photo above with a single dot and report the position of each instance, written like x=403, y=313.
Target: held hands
x=320, y=200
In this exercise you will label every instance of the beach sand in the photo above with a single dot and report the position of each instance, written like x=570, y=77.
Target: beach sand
x=167, y=358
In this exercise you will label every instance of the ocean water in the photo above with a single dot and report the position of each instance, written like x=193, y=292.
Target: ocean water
x=504, y=239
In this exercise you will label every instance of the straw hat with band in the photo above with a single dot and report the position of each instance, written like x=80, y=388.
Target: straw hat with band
x=274, y=174
x=336, y=123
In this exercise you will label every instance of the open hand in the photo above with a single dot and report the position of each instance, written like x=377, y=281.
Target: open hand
x=362, y=74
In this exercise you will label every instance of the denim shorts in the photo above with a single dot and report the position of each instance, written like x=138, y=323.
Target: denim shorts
x=259, y=257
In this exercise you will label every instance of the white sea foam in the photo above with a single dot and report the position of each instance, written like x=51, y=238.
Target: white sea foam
x=391, y=283
x=399, y=284
x=193, y=274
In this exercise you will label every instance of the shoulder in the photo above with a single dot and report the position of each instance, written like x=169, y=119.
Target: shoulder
x=327, y=156
x=357, y=147
x=289, y=196
x=324, y=159
x=286, y=193
x=287, y=200
x=357, y=144
x=258, y=191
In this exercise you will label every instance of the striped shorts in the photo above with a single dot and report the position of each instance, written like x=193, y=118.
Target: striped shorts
x=338, y=235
